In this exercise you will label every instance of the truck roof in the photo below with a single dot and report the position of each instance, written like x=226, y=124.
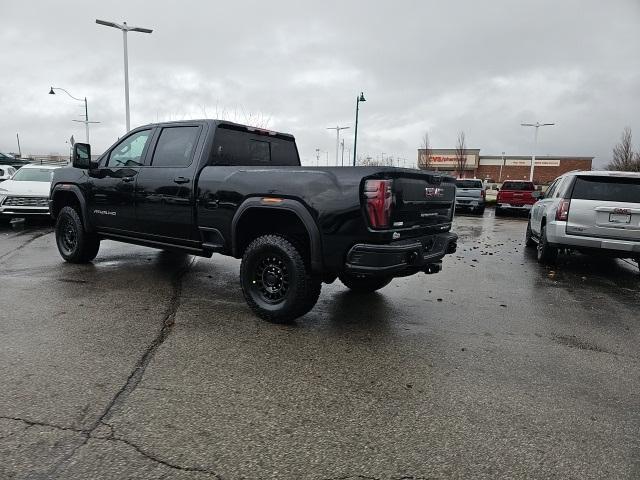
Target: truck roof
x=225, y=123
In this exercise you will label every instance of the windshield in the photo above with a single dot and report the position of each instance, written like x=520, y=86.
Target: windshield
x=33, y=175
x=469, y=183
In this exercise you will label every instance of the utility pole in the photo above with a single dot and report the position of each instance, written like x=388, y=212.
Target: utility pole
x=342, y=146
x=537, y=125
x=86, y=109
x=19, y=151
x=317, y=157
x=125, y=28
x=337, y=129
x=501, y=165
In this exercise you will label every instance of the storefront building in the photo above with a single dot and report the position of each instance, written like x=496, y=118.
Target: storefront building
x=498, y=168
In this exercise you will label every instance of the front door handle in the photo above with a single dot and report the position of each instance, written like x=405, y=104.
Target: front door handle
x=127, y=179
x=181, y=180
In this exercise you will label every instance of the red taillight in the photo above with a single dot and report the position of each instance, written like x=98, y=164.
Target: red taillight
x=563, y=210
x=378, y=196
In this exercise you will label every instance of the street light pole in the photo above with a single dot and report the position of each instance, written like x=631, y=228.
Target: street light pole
x=535, y=143
x=355, y=137
x=125, y=28
x=86, y=109
x=501, y=165
x=337, y=129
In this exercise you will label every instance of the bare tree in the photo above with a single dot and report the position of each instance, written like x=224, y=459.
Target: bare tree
x=461, y=154
x=624, y=158
x=424, y=161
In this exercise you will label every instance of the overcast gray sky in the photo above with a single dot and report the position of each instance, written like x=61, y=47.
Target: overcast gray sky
x=482, y=67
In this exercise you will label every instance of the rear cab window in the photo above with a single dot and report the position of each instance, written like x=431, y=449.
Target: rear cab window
x=235, y=147
x=468, y=183
x=518, y=186
x=607, y=189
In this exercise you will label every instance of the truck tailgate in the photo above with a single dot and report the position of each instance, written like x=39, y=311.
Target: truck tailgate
x=425, y=200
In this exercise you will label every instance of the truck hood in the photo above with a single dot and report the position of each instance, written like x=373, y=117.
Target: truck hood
x=29, y=189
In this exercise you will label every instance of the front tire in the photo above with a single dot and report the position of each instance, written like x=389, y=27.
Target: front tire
x=74, y=243
x=276, y=282
x=363, y=284
x=546, y=253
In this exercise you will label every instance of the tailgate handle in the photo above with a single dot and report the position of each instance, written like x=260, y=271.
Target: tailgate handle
x=181, y=180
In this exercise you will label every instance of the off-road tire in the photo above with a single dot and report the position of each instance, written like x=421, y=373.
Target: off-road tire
x=275, y=259
x=74, y=243
x=364, y=284
x=546, y=253
x=480, y=211
x=499, y=212
x=529, y=242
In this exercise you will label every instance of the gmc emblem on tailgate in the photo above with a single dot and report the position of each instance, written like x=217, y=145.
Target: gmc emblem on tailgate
x=434, y=191
x=623, y=211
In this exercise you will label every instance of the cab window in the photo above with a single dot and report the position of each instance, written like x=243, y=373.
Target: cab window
x=128, y=153
x=175, y=147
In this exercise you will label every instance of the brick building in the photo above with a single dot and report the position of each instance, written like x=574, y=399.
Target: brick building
x=497, y=168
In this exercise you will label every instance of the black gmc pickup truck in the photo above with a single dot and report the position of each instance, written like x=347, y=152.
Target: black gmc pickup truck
x=212, y=186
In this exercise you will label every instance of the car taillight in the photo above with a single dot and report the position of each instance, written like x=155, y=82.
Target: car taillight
x=483, y=194
x=378, y=197
x=563, y=210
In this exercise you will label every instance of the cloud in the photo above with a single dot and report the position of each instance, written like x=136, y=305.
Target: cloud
x=478, y=67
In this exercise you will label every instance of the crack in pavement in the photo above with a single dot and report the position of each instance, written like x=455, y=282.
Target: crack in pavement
x=20, y=247
x=112, y=437
x=134, y=379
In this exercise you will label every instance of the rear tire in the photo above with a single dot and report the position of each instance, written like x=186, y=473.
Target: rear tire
x=276, y=283
x=499, y=212
x=364, y=284
x=480, y=211
x=74, y=243
x=529, y=242
x=546, y=253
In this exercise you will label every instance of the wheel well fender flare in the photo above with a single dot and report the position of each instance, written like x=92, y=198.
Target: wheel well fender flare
x=293, y=206
x=75, y=190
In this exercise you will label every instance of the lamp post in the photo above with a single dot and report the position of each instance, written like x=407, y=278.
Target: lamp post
x=501, y=165
x=125, y=28
x=535, y=143
x=337, y=129
x=86, y=109
x=355, y=137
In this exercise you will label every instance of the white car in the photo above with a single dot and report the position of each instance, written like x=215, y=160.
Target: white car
x=591, y=212
x=6, y=171
x=27, y=192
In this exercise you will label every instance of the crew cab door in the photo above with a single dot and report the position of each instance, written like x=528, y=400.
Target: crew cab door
x=111, y=198
x=165, y=197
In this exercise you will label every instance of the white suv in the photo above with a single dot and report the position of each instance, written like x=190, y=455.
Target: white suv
x=592, y=212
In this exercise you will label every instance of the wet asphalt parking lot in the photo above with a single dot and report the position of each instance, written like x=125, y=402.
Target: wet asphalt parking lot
x=149, y=365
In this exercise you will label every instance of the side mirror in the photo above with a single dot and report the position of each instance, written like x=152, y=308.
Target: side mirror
x=81, y=156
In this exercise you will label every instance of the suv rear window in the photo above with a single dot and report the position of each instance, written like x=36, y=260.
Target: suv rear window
x=518, y=186
x=469, y=183
x=608, y=189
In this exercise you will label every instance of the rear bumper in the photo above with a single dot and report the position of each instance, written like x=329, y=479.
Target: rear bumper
x=557, y=236
x=401, y=258
x=469, y=202
x=508, y=206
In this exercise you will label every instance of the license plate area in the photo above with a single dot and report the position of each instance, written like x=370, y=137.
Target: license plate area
x=619, y=218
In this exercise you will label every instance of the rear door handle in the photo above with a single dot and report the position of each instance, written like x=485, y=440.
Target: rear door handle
x=127, y=179
x=181, y=180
